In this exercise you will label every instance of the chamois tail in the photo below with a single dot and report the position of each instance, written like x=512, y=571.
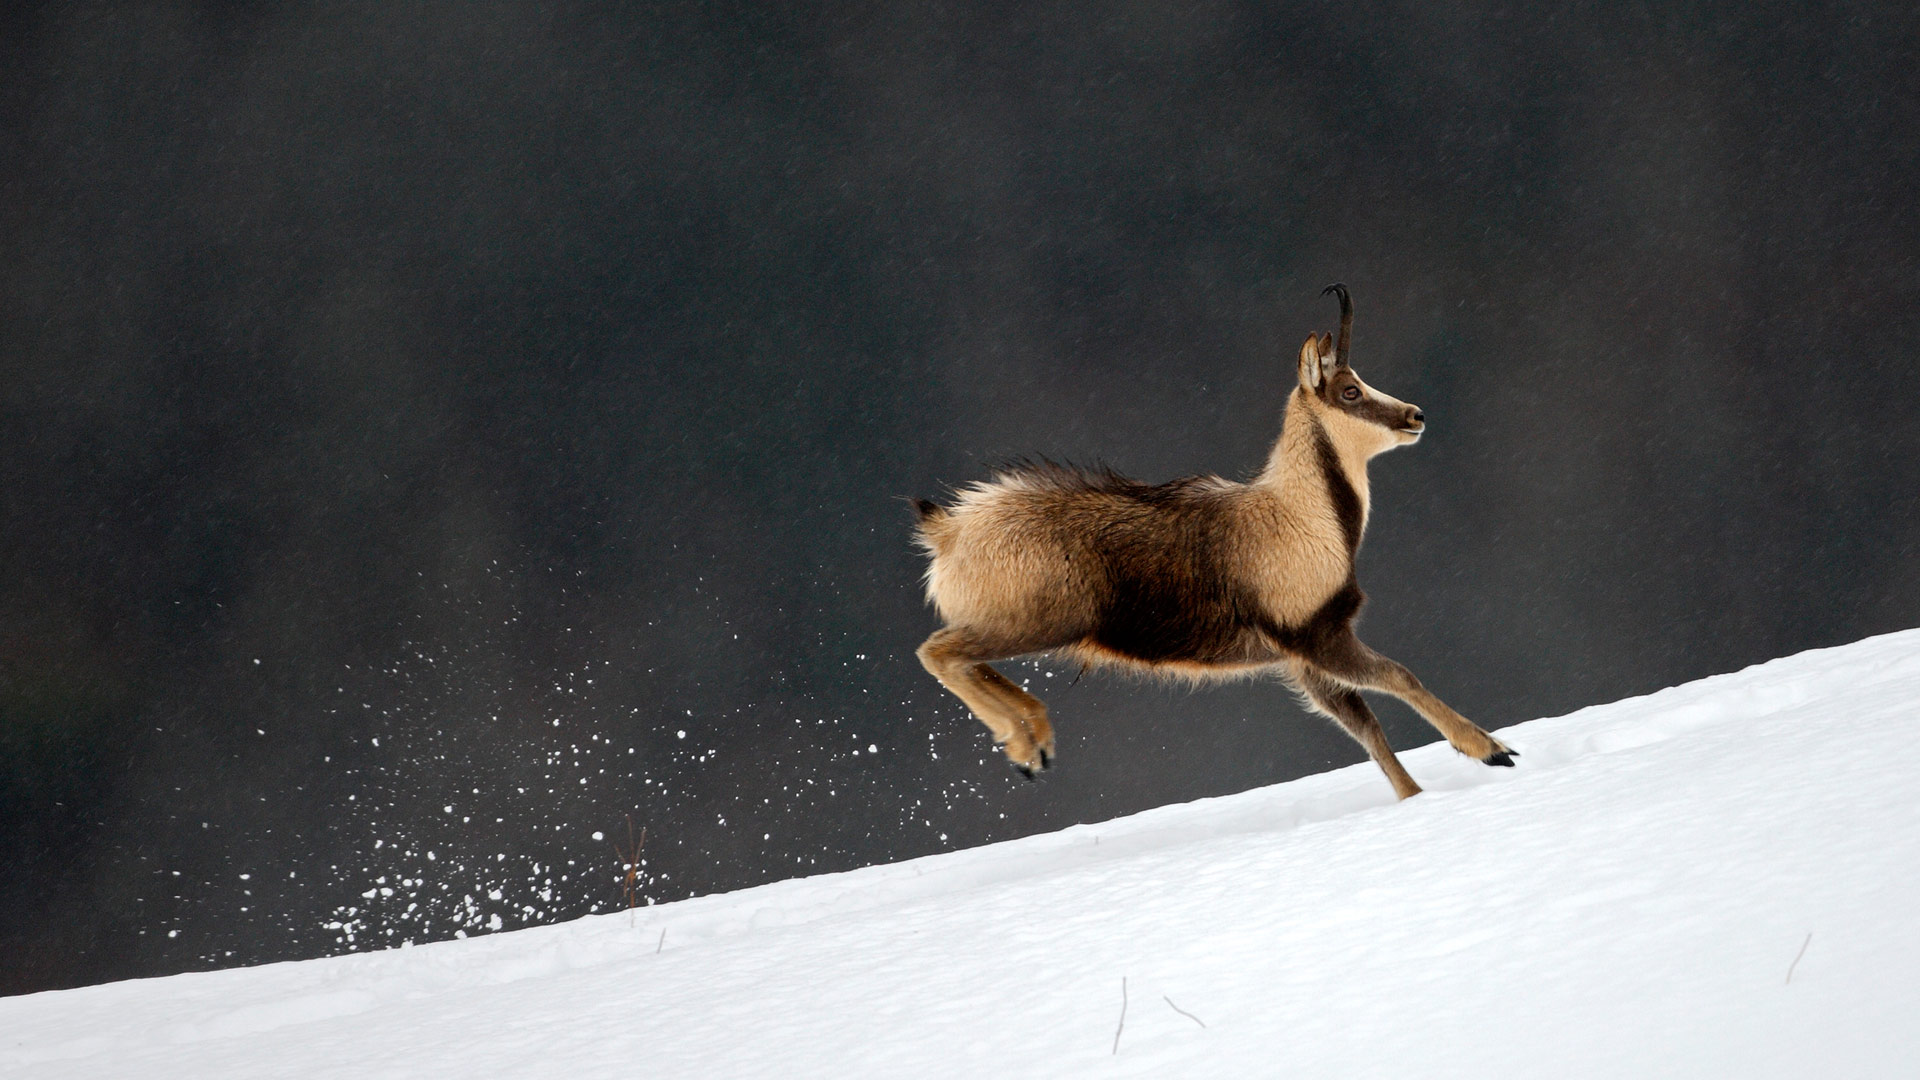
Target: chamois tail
x=930, y=524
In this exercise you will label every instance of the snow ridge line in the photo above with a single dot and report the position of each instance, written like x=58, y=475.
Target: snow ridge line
x=346, y=985
x=1757, y=691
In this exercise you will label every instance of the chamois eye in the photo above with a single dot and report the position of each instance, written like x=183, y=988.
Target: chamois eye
x=1351, y=393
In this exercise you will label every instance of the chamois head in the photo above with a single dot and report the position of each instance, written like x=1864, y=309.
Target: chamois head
x=1353, y=413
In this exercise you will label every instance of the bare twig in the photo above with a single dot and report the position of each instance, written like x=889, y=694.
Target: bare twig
x=630, y=864
x=1123, y=1015
x=1182, y=1011
x=1797, y=956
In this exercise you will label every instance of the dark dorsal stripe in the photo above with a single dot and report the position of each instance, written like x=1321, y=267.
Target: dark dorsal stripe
x=1346, y=501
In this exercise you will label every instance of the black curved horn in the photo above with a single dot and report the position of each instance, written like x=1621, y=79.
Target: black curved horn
x=1346, y=321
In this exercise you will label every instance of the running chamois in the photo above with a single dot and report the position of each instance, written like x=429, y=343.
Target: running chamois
x=1199, y=578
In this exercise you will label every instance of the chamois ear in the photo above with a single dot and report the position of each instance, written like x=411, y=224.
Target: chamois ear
x=1310, y=362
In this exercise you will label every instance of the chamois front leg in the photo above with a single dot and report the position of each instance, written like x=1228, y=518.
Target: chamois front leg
x=1345, y=705
x=1017, y=719
x=1348, y=659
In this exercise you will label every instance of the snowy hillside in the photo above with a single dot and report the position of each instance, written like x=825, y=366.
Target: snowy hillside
x=1630, y=901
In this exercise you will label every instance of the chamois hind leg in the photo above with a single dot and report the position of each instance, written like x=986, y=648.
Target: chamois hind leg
x=1031, y=711
x=1345, y=705
x=1348, y=659
x=1018, y=720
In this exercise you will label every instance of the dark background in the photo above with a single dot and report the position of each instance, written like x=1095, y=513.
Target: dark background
x=434, y=435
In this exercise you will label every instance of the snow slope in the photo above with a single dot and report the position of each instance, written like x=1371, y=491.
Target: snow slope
x=1629, y=901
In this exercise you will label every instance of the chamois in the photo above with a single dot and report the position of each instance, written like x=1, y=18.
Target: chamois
x=1200, y=578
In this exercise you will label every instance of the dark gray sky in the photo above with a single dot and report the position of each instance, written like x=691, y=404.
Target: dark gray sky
x=436, y=434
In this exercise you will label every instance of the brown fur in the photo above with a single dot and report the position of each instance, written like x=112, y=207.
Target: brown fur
x=1200, y=578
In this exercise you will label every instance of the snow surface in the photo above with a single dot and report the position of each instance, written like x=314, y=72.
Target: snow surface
x=1630, y=901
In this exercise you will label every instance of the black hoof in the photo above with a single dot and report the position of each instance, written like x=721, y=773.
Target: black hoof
x=1503, y=758
x=1024, y=770
x=1046, y=759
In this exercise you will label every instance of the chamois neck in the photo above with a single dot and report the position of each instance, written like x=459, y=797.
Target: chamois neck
x=1308, y=467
